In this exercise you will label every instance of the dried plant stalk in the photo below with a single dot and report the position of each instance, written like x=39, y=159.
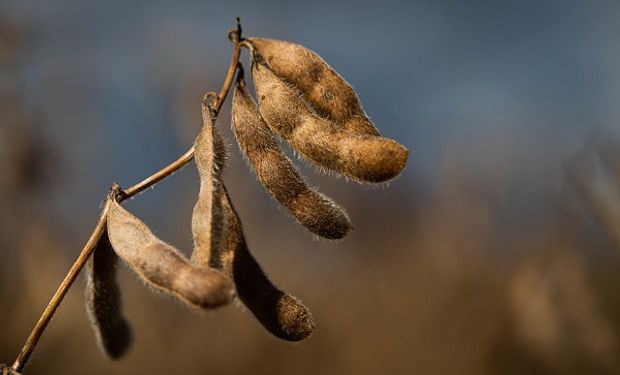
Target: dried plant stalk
x=328, y=93
x=210, y=156
x=162, y=266
x=276, y=172
x=103, y=301
x=361, y=157
x=280, y=313
x=5, y=370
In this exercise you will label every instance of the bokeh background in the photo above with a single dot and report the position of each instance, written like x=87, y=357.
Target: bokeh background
x=496, y=252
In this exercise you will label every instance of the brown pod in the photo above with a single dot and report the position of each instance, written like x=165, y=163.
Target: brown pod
x=326, y=91
x=162, y=266
x=210, y=156
x=103, y=300
x=280, y=313
x=362, y=157
x=278, y=175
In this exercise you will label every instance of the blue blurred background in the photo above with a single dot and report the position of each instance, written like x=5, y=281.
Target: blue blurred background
x=496, y=251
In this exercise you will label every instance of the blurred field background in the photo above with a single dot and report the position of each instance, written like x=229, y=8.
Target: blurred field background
x=496, y=252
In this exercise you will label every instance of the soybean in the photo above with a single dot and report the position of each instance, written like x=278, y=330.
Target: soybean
x=278, y=175
x=280, y=313
x=103, y=301
x=365, y=158
x=328, y=93
x=162, y=266
x=209, y=156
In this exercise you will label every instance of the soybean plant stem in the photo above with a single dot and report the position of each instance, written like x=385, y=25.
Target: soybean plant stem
x=36, y=333
x=189, y=155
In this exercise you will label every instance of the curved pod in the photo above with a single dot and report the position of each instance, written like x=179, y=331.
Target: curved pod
x=280, y=313
x=328, y=93
x=103, y=301
x=278, y=175
x=162, y=266
x=365, y=158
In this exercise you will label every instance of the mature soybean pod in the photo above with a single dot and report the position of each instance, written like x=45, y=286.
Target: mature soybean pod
x=327, y=92
x=280, y=313
x=210, y=156
x=103, y=301
x=278, y=175
x=365, y=158
x=162, y=266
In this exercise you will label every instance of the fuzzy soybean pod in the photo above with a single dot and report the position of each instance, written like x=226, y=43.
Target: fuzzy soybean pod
x=280, y=313
x=365, y=158
x=278, y=175
x=328, y=93
x=162, y=266
x=103, y=301
x=209, y=156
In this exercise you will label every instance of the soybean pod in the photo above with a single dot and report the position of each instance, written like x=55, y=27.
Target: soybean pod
x=278, y=175
x=103, y=301
x=162, y=266
x=328, y=93
x=364, y=158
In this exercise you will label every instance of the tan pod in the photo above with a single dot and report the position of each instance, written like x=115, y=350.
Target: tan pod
x=328, y=93
x=280, y=313
x=361, y=157
x=210, y=156
x=278, y=175
x=162, y=266
x=103, y=301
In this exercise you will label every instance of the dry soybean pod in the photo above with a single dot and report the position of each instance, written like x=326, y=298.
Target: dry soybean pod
x=210, y=156
x=328, y=93
x=280, y=313
x=103, y=301
x=361, y=157
x=162, y=266
x=276, y=172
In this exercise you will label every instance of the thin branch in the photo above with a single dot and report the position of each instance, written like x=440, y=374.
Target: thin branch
x=64, y=286
x=189, y=155
x=36, y=333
